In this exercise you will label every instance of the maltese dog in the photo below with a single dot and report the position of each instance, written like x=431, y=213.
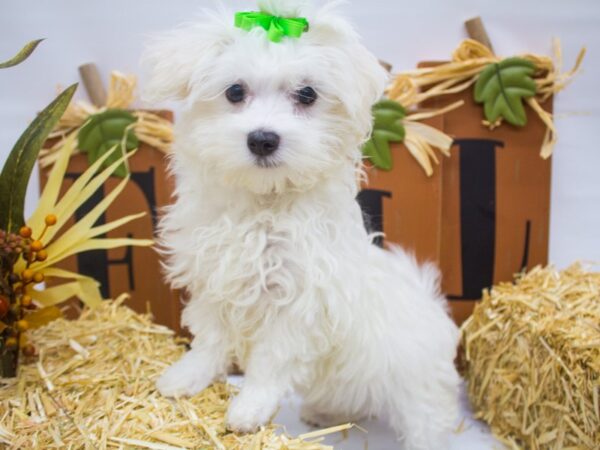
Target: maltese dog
x=267, y=239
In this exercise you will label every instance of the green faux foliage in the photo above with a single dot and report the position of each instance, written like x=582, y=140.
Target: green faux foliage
x=387, y=127
x=17, y=168
x=103, y=131
x=22, y=55
x=13, y=184
x=501, y=87
x=19, y=164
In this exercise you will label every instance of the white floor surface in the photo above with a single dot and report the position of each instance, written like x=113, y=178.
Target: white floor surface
x=474, y=435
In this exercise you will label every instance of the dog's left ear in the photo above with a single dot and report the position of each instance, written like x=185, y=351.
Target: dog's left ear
x=178, y=62
x=366, y=82
x=359, y=77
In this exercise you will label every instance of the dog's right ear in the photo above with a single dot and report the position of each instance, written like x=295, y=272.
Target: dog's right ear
x=177, y=62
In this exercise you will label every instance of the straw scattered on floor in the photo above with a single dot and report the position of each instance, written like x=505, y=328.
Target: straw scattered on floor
x=92, y=387
x=533, y=360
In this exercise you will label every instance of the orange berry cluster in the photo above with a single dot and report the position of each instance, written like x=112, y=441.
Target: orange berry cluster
x=11, y=244
x=32, y=250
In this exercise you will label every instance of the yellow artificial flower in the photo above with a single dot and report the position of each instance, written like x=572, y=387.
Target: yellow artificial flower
x=82, y=236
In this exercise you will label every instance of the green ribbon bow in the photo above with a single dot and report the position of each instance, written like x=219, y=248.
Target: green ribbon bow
x=276, y=27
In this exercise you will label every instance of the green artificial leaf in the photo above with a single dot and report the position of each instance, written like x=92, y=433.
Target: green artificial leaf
x=501, y=88
x=17, y=169
x=103, y=131
x=387, y=127
x=22, y=55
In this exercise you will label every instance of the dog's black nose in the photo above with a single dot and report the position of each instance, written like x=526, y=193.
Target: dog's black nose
x=263, y=143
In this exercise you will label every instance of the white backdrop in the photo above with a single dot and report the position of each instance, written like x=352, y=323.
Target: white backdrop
x=111, y=33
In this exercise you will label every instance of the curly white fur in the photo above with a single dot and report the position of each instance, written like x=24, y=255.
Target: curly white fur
x=282, y=277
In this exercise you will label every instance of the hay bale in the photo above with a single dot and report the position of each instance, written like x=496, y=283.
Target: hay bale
x=92, y=387
x=532, y=352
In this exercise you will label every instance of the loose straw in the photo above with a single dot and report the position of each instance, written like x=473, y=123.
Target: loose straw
x=93, y=386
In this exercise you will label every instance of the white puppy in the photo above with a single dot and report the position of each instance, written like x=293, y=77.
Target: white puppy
x=268, y=241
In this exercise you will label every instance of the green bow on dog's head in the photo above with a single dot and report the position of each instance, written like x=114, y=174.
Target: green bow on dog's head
x=276, y=27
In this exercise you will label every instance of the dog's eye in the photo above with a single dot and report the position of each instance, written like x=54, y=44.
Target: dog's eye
x=235, y=93
x=306, y=95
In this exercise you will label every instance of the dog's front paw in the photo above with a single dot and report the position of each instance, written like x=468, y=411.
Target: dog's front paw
x=184, y=378
x=250, y=410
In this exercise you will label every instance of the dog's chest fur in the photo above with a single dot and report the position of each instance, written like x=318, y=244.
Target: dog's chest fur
x=253, y=262
x=285, y=267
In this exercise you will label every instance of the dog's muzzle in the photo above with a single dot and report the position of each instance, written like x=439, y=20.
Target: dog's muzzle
x=263, y=143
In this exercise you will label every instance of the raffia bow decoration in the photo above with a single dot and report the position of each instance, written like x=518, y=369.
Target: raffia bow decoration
x=148, y=127
x=472, y=59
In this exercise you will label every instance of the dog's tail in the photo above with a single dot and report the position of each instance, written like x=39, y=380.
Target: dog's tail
x=426, y=274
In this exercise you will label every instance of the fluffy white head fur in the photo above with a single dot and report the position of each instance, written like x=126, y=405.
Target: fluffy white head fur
x=281, y=275
x=198, y=62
